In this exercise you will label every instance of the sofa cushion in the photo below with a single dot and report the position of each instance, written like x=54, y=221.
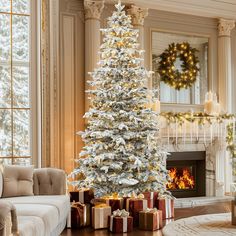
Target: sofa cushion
x=17, y=181
x=31, y=225
x=60, y=202
x=49, y=181
x=49, y=214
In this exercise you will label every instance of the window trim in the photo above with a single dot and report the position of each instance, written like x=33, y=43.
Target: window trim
x=35, y=82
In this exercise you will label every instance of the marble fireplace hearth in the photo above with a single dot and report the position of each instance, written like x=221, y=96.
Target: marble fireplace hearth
x=217, y=165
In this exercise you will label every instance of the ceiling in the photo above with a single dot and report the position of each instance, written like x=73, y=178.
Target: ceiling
x=208, y=8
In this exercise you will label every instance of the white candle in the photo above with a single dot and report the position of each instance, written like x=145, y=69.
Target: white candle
x=210, y=96
x=217, y=108
x=209, y=107
x=156, y=106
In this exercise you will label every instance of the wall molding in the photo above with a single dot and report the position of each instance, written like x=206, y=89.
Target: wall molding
x=67, y=89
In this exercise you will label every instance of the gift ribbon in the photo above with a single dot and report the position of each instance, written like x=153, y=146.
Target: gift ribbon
x=81, y=196
x=101, y=217
x=168, y=207
x=150, y=210
x=125, y=223
x=77, y=206
x=151, y=198
x=100, y=209
x=120, y=213
x=144, y=203
x=101, y=205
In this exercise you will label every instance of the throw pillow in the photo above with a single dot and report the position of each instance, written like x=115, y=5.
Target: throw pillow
x=17, y=181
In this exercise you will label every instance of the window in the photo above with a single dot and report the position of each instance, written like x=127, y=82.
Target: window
x=194, y=95
x=15, y=82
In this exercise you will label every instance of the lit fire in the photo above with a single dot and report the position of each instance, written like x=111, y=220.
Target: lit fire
x=180, y=179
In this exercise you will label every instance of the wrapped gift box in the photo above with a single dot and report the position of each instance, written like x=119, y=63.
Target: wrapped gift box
x=151, y=219
x=233, y=209
x=100, y=215
x=151, y=198
x=120, y=222
x=80, y=215
x=114, y=203
x=134, y=206
x=82, y=196
x=166, y=205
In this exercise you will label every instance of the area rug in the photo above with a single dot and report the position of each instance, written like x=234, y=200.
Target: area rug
x=204, y=225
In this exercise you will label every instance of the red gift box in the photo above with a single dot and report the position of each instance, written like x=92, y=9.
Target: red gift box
x=120, y=224
x=166, y=205
x=151, y=198
x=114, y=203
x=82, y=196
x=150, y=219
x=80, y=215
x=134, y=206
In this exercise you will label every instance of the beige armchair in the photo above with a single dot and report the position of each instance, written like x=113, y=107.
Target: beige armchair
x=45, y=210
x=8, y=219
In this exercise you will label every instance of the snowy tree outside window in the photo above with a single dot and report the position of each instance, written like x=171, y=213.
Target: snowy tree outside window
x=15, y=82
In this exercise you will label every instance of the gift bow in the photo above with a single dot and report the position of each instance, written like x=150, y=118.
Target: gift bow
x=76, y=204
x=140, y=196
x=151, y=210
x=120, y=213
x=101, y=205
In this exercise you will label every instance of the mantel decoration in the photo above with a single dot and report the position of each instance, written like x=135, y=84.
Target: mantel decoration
x=200, y=125
x=178, y=79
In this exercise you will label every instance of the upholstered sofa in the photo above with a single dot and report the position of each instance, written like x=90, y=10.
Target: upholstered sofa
x=42, y=212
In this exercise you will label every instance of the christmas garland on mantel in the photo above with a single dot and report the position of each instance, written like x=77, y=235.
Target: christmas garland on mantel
x=202, y=119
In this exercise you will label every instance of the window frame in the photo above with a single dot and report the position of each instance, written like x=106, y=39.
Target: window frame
x=34, y=84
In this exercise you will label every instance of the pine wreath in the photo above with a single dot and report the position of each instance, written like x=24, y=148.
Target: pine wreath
x=172, y=76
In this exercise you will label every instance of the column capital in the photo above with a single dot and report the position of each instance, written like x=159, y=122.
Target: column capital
x=93, y=9
x=225, y=26
x=138, y=14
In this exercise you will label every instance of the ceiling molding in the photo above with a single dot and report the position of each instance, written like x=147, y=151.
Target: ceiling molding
x=207, y=8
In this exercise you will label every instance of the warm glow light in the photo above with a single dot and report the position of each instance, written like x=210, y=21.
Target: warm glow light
x=181, y=179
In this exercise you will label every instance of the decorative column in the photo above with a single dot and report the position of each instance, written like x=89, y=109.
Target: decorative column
x=225, y=88
x=138, y=15
x=224, y=63
x=93, y=10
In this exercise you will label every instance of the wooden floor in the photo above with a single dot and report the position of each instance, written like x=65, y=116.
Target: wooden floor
x=179, y=213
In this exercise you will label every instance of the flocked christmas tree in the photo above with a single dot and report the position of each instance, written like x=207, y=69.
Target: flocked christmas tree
x=122, y=153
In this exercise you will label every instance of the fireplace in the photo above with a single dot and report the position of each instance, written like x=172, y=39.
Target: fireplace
x=188, y=173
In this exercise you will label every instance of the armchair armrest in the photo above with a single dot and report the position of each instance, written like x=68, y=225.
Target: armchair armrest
x=8, y=219
x=49, y=181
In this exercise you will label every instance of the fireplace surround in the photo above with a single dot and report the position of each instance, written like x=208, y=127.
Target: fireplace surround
x=191, y=166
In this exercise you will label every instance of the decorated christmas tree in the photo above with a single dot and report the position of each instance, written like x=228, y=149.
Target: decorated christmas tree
x=122, y=153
